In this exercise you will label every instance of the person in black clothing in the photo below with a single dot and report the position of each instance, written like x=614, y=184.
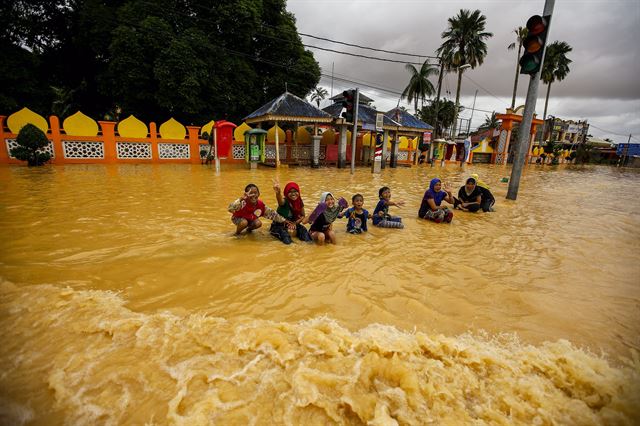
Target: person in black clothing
x=469, y=197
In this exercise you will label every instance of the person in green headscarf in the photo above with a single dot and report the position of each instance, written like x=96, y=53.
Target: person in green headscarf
x=488, y=199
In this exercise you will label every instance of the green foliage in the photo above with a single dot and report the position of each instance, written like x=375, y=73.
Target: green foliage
x=191, y=60
x=490, y=122
x=446, y=114
x=419, y=86
x=31, y=141
x=464, y=40
x=555, y=66
x=318, y=94
x=554, y=149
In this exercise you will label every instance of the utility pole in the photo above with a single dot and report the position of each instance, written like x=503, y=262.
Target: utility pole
x=354, y=134
x=437, y=109
x=527, y=117
x=332, y=63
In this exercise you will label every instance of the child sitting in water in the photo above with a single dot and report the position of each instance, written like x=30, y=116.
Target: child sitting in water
x=381, y=216
x=291, y=208
x=431, y=207
x=247, y=209
x=323, y=216
x=356, y=216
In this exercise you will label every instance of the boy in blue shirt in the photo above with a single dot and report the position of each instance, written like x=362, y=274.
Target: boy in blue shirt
x=381, y=216
x=356, y=216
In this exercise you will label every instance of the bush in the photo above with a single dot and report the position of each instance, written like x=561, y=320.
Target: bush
x=31, y=141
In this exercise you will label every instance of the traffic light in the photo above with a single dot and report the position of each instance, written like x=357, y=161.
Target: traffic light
x=348, y=103
x=537, y=27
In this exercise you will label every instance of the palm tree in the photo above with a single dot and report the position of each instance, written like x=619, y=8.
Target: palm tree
x=419, y=85
x=555, y=67
x=490, y=122
x=521, y=34
x=318, y=94
x=463, y=45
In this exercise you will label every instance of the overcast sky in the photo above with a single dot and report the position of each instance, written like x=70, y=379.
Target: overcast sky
x=603, y=85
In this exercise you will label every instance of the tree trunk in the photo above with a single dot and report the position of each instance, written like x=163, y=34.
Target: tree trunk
x=437, y=109
x=544, y=115
x=455, y=112
x=515, y=84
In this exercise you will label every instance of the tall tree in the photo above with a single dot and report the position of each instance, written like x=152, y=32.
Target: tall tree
x=191, y=60
x=521, y=34
x=419, y=86
x=464, y=43
x=445, y=110
x=555, y=67
x=318, y=94
x=490, y=122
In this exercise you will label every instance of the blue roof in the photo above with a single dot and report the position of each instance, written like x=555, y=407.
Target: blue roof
x=289, y=105
x=407, y=120
x=366, y=114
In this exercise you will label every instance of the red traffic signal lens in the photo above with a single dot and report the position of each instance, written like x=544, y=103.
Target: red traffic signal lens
x=536, y=25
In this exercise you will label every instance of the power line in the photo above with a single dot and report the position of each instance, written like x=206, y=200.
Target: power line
x=325, y=39
x=368, y=48
x=360, y=56
x=609, y=131
x=478, y=84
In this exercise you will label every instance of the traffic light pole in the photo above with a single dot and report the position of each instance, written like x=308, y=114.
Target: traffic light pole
x=527, y=119
x=354, y=134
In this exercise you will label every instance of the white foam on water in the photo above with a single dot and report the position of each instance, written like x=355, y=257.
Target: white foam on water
x=106, y=364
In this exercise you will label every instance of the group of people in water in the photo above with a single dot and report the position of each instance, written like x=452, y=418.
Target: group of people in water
x=290, y=218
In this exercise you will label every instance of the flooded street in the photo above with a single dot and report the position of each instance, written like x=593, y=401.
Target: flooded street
x=125, y=299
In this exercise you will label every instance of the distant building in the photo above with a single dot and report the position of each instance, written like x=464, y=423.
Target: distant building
x=565, y=131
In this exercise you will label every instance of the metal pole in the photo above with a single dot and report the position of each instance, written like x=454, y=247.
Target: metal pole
x=332, y=63
x=215, y=143
x=472, y=109
x=527, y=119
x=354, y=134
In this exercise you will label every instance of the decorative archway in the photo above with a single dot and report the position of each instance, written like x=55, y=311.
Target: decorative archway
x=501, y=153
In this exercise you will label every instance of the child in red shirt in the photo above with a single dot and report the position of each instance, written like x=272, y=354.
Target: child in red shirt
x=247, y=209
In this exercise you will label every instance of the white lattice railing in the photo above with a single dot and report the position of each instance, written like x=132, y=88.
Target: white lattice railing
x=174, y=151
x=82, y=149
x=11, y=143
x=135, y=150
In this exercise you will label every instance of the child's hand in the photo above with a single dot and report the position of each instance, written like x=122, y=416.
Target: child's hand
x=276, y=185
x=447, y=187
x=400, y=203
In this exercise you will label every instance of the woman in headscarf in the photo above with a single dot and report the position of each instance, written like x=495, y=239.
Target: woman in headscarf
x=469, y=197
x=431, y=207
x=487, y=197
x=323, y=216
x=291, y=208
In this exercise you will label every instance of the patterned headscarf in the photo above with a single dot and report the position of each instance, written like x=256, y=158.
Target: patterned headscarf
x=330, y=214
x=295, y=205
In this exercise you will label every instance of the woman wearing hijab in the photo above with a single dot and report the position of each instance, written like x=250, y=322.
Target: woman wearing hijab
x=431, y=207
x=469, y=197
x=323, y=216
x=291, y=208
x=487, y=197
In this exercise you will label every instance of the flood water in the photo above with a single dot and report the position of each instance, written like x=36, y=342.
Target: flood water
x=125, y=299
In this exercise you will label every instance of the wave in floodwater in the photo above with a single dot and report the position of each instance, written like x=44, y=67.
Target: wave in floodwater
x=82, y=357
